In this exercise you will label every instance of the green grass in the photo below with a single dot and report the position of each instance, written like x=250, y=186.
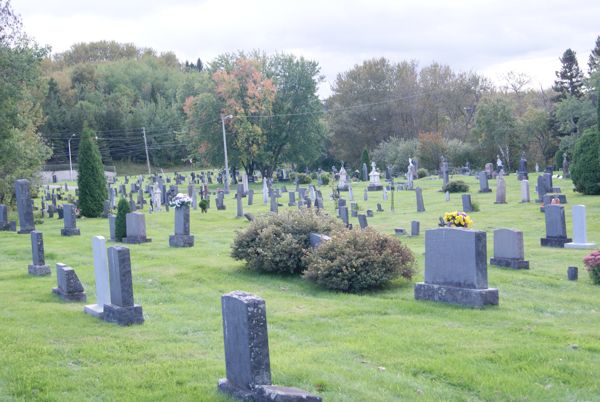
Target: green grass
x=541, y=343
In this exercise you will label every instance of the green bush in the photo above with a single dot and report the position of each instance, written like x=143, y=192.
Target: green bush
x=120, y=220
x=90, y=181
x=422, y=172
x=585, y=167
x=303, y=178
x=325, y=178
x=278, y=242
x=358, y=260
x=457, y=186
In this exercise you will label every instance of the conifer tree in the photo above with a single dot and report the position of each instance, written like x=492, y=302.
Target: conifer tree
x=570, y=78
x=90, y=180
x=121, y=221
x=594, y=60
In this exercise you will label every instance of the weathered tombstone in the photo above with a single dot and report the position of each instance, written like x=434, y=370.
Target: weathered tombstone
x=292, y=199
x=467, y=205
x=525, y=191
x=500, y=189
x=274, y=205
x=541, y=188
x=249, y=216
x=400, y=231
x=344, y=215
x=70, y=221
x=220, y=200
x=182, y=237
x=556, y=227
x=24, y=206
x=456, y=268
x=508, y=249
x=414, y=228
x=69, y=287
x=369, y=213
x=572, y=273
x=447, y=196
x=484, y=186
x=250, y=197
x=101, y=276
x=136, y=228
x=365, y=195
x=5, y=224
x=419, y=195
x=238, y=196
x=247, y=353
x=112, y=227
x=362, y=221
x=38, y=266
x=121, y=309
x=379, y=208
x=579, y=229
x=194, y=198
x=317, y=238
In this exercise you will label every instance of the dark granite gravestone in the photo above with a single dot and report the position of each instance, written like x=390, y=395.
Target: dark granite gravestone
x=5, y=224
x=317, y=238
x=69, y=287
x=274, y=205
x=38, y=266
x=247, y=361
x=344, y=215
x=556, y=227
x=572, y=273
x=24, y=206
x=292, y=199
x=484, y=186
x=456, y=268
x=362, y=221
x=182, y=237
x=508, y=249
x=70, y=221
x=379, y=209
x=467, y=206
x=220, y=200
x=414, y=228
x=121, y=309
x=419, y=195
x=136, y=228
x=250, y=197
x=370, y=213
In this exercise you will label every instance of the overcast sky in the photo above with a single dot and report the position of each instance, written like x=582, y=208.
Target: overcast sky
x=490, y=37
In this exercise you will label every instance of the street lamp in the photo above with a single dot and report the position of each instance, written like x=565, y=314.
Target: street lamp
x=226, y=182
x=70, y=162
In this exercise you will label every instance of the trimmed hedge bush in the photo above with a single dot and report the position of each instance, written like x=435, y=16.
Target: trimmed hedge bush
x=422, y=172
x=120, y=221
x=358, y=260
x=325, y=178
x=278, y=243
x=585, y=168
x=303, y=178
x=457, y=186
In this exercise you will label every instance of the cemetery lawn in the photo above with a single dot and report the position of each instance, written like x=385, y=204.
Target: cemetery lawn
x=542, y=343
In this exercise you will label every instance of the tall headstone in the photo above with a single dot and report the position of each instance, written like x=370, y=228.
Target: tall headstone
x=121, y=309
x=556, y=227
x=101, y=276
x=38, y=266
x=220, y=200
x=238, y=196
x=292, y=199
x=112, y=227
x=374, y=182
x=525, y=191
x=541, y=188
x=456, y=268
x=250, y=197
x=194, y=198
x=136, y=228
x=182, y=237
x=508, y=249
x=467, y=205
x=68, y=288
x=579, y=229
x=419, y=195
x=343, y=210
x=484, y=186
x=247, y=362
x=24, y=206
x=500, y=189
x=70, y=221
x=274, y=204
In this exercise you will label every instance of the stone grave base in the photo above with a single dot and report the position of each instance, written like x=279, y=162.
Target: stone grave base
x=39, y=270
x=95, y=310
x=485, y=191
x=399, y=231
x=558, y=242
x=581, y=246
x=372, y=187
x=70, y=232
x=291, y=204
x=123, y=315
x=181, y=241
x=135, y=240
x=274, y=393
x=513, y=263
x=221, y=208
x=26, y=231
x=477, y=298
x=77, y=296
x=8, y=226
x=234, y=391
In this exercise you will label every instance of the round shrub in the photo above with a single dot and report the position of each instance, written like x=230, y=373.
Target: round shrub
x=303, y=178
x=358, y=260
x=585, y=167
x=120, y=221
x=422, y=172
x=325, y=178
x=457, y=186
x=278, y=242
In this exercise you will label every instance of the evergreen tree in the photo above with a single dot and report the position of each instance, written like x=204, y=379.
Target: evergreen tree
x=365, y=158
x=91, y=180
x=594, y=60
x=569, y=78
x=585, y=167
x=121, y=219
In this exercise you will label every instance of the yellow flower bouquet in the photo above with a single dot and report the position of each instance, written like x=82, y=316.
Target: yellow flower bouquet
x=456, y=219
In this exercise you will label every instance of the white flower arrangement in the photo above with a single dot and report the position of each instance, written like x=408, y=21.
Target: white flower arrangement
x=180, y=200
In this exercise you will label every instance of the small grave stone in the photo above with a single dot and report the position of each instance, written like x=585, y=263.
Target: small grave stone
x=250, y=197
x=112, y=226
x=249, y=216
x=572, y=273
x=379, y=208
x=292, y=199
x=369, y=213
x=136, y=228
x=121, y=309
x=70, y=221
x=182, y=237
x=5, y=224
x=525, y=191
x=366, y=195
x=24, y=206
x=38, y=266
x=456, y=268
x=238, y=196
x=419, y=195
x=556, y=228
x=247, y=353
x=466, y=203
x=399, y=231
x=500, y=189
x=580, y=230
x=414, y=228
x=484, y=186
x=274, y=205
x=508, y=249
x=69, y=287
x=101, y=276
x=362, y=221
x=220, y=201
x=344, y=215
x=317, y=238
x=447, y=196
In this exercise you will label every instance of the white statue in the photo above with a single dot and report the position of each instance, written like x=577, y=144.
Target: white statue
x=374, y=176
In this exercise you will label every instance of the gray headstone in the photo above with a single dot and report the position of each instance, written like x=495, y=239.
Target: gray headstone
x=136, y=228
x=508, y=249
x=466, y=203
x=456, y=268
x=500, y=189
x=419, y=195
x=24, y=206
x=379, y=209
x=556, y=227
x=525, y=191
x=274, y=205
x=122, y=309
x=69, y=287
x=362, y=221
x=414, y=228
x=317, y=238
x=483, y=182
x=112, y=226
x=182, y=237
x=250, y=197
x=5, y=225
x=580, y=229
x=70, y=221
x=38, y=266
x=344, y=215
x=292, y=199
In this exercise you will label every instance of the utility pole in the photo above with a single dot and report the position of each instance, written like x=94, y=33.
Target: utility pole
x=70, y=161
x=146, y=146
x=226, y=181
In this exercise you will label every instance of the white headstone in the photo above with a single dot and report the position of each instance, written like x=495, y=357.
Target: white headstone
x=579, y=229
x=101, y=276
x=525, y=191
